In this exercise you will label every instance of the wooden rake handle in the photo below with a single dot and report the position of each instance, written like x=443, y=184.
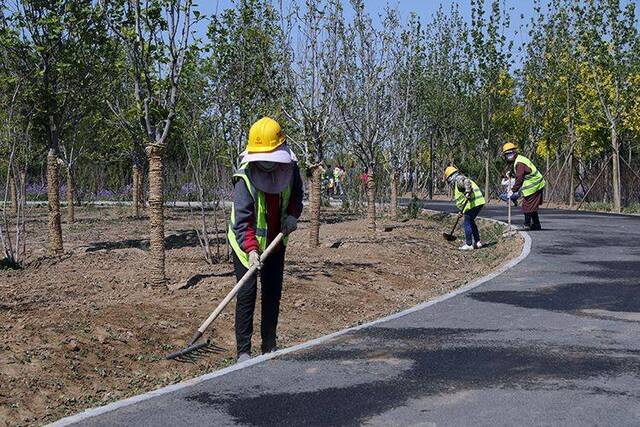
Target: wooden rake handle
x=252, y=270
x=458, y=216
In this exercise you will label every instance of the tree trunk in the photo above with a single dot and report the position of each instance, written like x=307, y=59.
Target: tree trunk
x=431, y=174
x=23, y=186
x=394, y=195
x=136, y=189
x=615, y=171
x=315, y=189
x=371, y=201
x=71, y=189
x=546, y=173
x=156, y=216
x=53, y=196
x=486, y=178
x=572, y=184
x=14, y=193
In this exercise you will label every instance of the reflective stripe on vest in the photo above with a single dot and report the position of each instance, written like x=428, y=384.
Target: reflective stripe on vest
x=260, y=209
x=477, y=199
x=534, y=181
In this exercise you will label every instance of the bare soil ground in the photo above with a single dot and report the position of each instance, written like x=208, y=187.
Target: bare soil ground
x=83, y=329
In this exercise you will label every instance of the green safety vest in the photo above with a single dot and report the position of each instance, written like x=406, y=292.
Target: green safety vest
x=534, y=181
x=477, y=199
x=260, y=206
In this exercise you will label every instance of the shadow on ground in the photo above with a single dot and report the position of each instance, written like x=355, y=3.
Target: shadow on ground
x=185, y=239
x=309, y=270
x=442, y=361
x=570, y=297
x=197, y=278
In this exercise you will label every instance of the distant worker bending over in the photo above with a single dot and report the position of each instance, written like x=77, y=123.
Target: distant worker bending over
x=529, y=182
x=267, y=200
x=469, y=200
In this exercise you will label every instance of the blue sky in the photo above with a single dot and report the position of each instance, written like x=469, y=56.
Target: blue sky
x=521, y=12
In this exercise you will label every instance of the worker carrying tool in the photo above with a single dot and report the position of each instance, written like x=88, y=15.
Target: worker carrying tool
x=268, y=195
x=529, y=182
x=469, y=200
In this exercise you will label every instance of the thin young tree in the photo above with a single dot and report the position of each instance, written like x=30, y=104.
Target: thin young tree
x=121, y=102
x=491, y=56
x=407, y=126
x=445, y=89
x=245, y=66
x=156, y=36
x=313, y=77
x=49, y=38
x=363, y=95
x=607, y=35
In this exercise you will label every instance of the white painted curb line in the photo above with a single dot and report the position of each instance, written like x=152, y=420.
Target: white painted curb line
x=89, y=413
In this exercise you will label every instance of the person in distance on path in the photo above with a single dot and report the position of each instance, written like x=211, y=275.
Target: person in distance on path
x=529, y=182
x=267, y=200
x=469, y=200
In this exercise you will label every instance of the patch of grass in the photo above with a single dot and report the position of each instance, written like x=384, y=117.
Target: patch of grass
x=608, y=207
x=632, y=208
x=492, y=231
x=597, y=206
x=413, y=209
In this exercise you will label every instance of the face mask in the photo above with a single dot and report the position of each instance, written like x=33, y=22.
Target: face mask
x=510, y=156
x=267, y=166
x=452, y=178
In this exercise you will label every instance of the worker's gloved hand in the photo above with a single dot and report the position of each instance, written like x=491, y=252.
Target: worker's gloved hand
x=460, y=214
x=468, y=195
x=510, y=196
x=290, y=225
x=254, y=260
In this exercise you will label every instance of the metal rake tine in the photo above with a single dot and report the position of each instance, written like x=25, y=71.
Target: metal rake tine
x=187, y=358
x=212, y=349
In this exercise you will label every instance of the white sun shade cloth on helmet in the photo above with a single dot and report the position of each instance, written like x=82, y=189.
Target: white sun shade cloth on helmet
x=282, y=154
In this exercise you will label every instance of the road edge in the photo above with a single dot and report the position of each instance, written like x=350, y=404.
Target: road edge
x=93, y=412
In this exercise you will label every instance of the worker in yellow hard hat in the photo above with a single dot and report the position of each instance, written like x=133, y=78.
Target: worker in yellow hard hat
x=267, y=200
x=470, y=201
x=528, y=181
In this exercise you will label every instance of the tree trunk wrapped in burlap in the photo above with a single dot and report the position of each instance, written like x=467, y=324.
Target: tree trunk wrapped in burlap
x=314, y=206
x=155, y=154
x=371, y=202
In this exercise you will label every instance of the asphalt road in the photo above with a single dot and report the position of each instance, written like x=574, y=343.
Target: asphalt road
x=553, y=341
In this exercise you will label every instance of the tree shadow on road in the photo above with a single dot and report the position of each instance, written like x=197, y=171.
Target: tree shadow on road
x=440, y=362
x=570, y=297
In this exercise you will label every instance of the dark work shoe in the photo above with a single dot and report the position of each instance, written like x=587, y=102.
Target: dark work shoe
x=536, y=227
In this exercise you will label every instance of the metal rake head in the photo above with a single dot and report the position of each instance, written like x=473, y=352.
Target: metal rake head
x=448, y=237
x=194, y=352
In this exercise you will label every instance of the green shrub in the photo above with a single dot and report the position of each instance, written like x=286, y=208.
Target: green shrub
x=413, y=209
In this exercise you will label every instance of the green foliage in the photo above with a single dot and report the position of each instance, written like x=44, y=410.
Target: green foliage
x=396, y=94
x=413, y=208
x=245, y=69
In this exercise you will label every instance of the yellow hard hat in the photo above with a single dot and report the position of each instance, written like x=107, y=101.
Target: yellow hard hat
x=509, y=146
x=265, y=136
x=449, y=171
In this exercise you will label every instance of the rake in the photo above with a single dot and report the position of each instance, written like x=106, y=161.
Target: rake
x=195, y=349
